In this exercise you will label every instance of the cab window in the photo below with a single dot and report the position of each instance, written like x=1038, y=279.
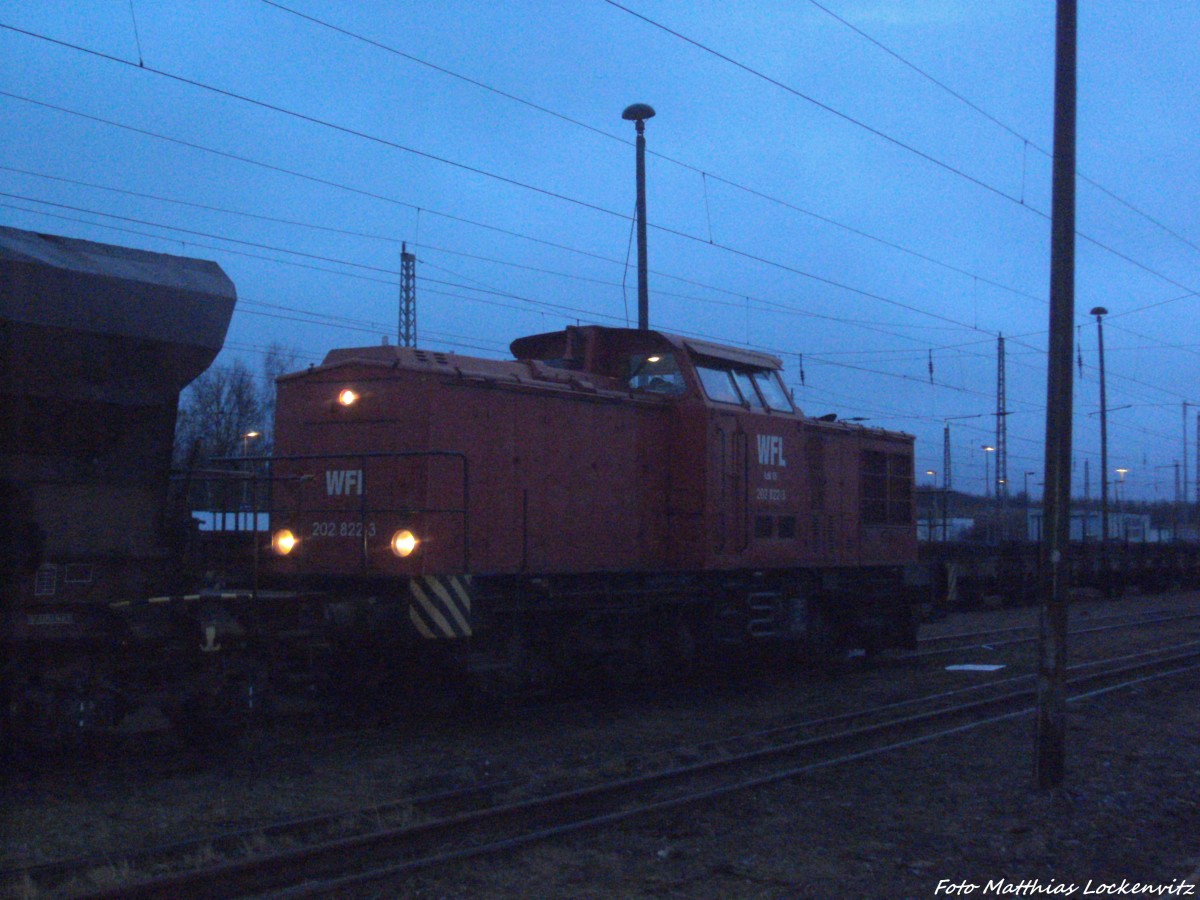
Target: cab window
x=774, y=393
x=746, y=386
x=718, y=384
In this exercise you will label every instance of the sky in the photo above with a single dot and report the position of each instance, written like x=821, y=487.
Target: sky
x=861, y=187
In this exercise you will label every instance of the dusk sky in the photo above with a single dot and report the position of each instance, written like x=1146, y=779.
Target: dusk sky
x=861, y=187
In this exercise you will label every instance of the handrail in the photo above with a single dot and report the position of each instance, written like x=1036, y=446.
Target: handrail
x=248, y=486
x=364, y=509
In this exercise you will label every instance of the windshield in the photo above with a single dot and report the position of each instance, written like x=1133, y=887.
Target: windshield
x=758, y=388
x=774, y=393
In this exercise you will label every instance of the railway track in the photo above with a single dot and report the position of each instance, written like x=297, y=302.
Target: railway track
x=238, y=843
x=1023, y=634
x=503, y=816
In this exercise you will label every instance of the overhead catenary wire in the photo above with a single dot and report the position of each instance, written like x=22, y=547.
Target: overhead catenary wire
x=524, y=185
x=560, y=308
x=704, y=173
x=675, y=232
x=748, y=256
x=510, y=96
x=449, y=247
x=542, y=304
x=763, y=303
x=1019, y=201
x=1027, y=142
x=735, y=251
x=821, y=105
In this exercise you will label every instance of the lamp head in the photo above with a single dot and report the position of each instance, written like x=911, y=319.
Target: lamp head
x=638, y=112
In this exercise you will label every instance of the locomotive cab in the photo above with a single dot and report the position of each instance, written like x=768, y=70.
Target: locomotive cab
x=623, y=358
x=758, y=490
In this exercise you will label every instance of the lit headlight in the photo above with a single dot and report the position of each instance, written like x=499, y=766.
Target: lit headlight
x=404, y=542
x=347, y=397
x=283, y=541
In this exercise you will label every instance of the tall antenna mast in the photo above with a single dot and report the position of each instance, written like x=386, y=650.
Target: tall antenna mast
x=407, y=335
x=639, y=113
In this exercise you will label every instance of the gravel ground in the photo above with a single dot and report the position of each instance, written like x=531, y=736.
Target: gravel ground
x=956, y=810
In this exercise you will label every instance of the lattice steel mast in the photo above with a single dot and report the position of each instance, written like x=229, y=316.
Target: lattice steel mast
x=407, y=335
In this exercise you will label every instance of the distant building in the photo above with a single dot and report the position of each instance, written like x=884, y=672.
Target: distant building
x=231, y=520
x=937, y=529
x=1087, y=525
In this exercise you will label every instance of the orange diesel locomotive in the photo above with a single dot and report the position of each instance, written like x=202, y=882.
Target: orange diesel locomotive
x=610, y=494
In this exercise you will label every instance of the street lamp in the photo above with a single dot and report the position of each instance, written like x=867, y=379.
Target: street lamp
x=1027, y=506
x=1120, y=497
x=639, y=113
x=1100, y=312
x=247, y=437
x=987, y=483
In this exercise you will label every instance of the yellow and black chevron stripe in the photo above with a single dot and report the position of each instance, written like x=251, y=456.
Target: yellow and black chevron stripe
x=441, y=606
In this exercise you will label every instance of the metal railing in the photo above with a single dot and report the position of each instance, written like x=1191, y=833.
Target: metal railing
x=249, y=497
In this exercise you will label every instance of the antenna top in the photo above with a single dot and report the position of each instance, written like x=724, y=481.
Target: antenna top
x=638, y=112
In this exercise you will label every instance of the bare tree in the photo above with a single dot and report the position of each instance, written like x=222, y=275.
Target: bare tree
x=278, y=360
x=230, y=410
x=216, y=413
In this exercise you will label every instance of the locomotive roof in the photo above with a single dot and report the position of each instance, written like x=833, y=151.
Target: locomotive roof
x=540, y=357
x=390, y=356
x=554, y=344
x=551, y=346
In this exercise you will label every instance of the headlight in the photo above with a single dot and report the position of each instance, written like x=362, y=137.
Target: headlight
x=283, y=541
x=347, y=397
x=404, y=542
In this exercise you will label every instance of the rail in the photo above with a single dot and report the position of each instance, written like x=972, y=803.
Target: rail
x=365, y=861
